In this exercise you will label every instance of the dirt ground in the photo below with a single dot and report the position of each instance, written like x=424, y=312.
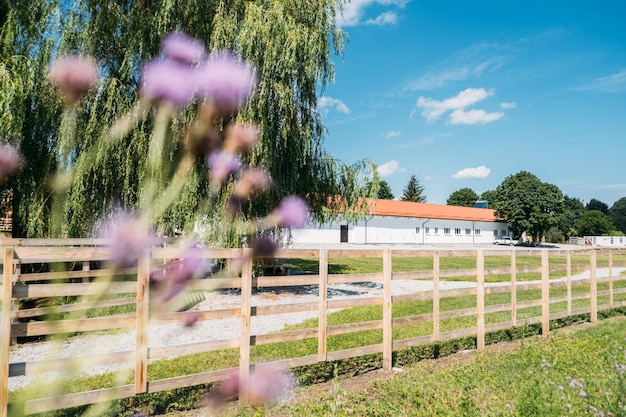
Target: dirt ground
x=359, y=383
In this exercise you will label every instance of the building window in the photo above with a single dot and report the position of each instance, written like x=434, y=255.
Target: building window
x=446, y=231
x=417, y=230
x=468, y=231
x=427, y=230
x=505, y=232
x=457, y=231
x=495, y=233
x=436, y=230
x=477, y=232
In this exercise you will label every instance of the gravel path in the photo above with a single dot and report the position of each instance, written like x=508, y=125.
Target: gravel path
x=177, y=334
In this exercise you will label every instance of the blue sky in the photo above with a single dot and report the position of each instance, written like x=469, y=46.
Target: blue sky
x=465, y=93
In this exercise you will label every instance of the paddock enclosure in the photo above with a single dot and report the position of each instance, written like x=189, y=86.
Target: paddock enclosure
x=54, y=288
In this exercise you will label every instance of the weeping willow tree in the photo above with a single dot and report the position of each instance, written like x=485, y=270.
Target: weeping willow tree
x=291, y=44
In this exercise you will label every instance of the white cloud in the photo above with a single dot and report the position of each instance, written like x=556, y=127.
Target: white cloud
x=509, y=105
x=473, y=117
x=352, y=12
x=480, y=172
x=472, y=62
x=428, y=178
x=392, y=134
x=325, y=104
x=387, y=18
x=433, y=109
x=614, y=83
x=389, y=168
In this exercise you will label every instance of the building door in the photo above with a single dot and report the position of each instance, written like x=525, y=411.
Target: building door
x=344, y=233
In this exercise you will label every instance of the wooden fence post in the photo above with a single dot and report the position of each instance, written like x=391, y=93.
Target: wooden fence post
x=322, y=344
x=513, y=288
x=569, y=283
x=545, y=293
x=480, y=299
x=246, y=312
x=387, y=312
x=142, y=315
x=611, y=278
x=436, y=327
x=5, y=329
x=593, y=287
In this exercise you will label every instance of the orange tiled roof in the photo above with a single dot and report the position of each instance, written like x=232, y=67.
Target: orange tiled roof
x=433, y=211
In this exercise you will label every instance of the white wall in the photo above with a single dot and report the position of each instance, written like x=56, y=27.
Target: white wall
x=607, y=241
x=403, y=230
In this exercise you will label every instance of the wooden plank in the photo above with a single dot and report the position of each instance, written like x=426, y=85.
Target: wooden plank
x=355, y=352
x=5, y=328
x=278, y=337
x=387, y=312
x=436, y=295
x=497, y=326
x=36, y=254
x=142, y=312
x=569, y=282
x=217, y=314
x=189, y=380
x=246, y=306
x=611, y=278
x=285, y=281
x=284, y=308
x=545, y=293
x=74, y=400
x=59, y=290
x=322, y=324
x=513, y=288
x=354, y=327
x=529, y=303
x=462, y=292
x=414, y=341
x=593, y=287
x=355, y=253
x=117, y=321
x=66, y=308
x=480, y=300
x=445, y=315
x=93, y=273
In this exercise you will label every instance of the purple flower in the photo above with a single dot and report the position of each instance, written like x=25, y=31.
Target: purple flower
x=226, y=81
x=9, y=160
x=222, y=164
x=167, y=80
x=74, y=76
x=292, y=212
x=182, y=48
x=266, y=383
x=129, y=237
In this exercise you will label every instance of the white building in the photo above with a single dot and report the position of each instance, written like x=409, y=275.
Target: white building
x=404, y=222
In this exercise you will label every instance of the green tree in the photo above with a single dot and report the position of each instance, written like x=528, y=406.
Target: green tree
x=528, y=204
x=618, y=214
x=572, y=209
x=291, y=44
x=384, y=192
x=595, y=204
x=413, y=191
x=465, y=197
x=594, y=223
x=489, y=196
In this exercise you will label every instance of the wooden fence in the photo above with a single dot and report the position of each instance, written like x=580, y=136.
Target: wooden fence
x=35, y=271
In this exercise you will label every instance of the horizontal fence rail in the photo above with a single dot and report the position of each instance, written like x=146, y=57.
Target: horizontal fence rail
x=58, y=288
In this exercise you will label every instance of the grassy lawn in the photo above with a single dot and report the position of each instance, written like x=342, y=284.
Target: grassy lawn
x=572, y=373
